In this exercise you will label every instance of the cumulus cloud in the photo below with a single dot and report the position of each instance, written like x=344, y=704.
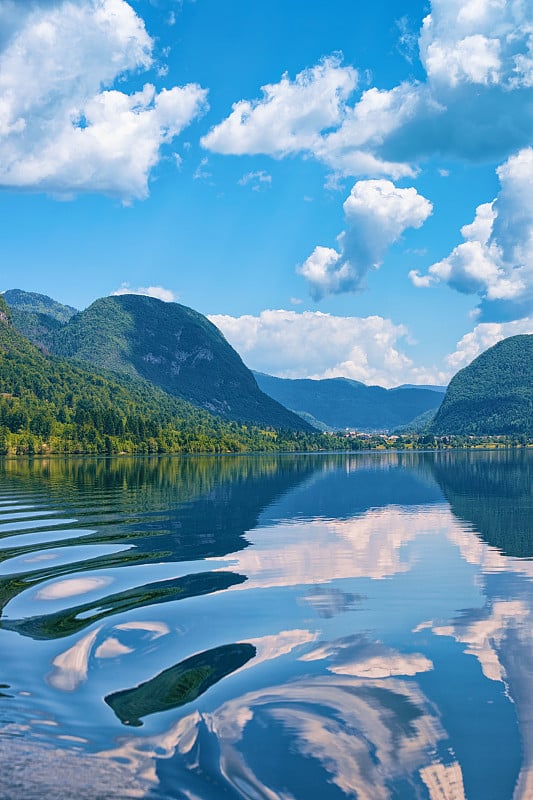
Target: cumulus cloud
x=290, y=115
x=316, y=345
x=355, y=147
x=159, y=292
x=496, y=259
x=377, y=213
x=64, y=128
x=475, y=102
x=477, y=41
x=311, y=344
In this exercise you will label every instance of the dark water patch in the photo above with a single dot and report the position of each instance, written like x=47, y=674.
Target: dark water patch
x=179, y=684
x=75, y=619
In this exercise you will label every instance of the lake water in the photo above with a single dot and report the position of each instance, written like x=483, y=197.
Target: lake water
x=278, y=627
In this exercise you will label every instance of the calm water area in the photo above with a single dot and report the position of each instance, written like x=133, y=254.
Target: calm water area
x=308, y=627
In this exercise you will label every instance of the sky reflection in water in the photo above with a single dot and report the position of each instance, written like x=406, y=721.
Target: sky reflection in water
x=273, y=627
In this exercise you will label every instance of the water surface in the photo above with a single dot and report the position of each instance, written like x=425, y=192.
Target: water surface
x=293, y=627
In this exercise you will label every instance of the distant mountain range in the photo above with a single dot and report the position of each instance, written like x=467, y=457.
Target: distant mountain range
x=339, y=403
x=493, y=395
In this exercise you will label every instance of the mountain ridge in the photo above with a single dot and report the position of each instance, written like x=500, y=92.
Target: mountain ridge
x=493, y=394
x=341, y=403
x=51, y=405
x=37, y=316
x=170, y=345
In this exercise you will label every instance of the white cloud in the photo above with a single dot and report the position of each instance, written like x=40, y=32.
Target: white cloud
x=377, y=213
x=477, y=41
x=63, y=127
x=496, y=259
x=290, y=116
x=474, y=59
x=311, y=344
x=327, y=273
x=201, y=173
x=257, y=180
x=159, y=292
x=475, y=102
x=420, y=281
x=353, y=148
x=315, y=345
x=407, y=44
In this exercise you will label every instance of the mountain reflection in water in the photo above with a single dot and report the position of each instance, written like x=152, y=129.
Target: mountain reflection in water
x=179, y=684
x=494, y=493
x=378, y=607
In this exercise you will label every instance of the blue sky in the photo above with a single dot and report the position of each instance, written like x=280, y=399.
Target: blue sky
x=344, y=188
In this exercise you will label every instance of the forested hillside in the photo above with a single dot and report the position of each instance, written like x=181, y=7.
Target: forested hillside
x=493, y=395
x=37, y=316
x=176, y=349
x=50, y=405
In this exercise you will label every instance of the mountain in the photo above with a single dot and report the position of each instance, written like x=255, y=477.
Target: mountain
x=341, y=403
x=493, y=395
x=48, y=404
x=174, y=348
x=72, y=409
x=37, y=316
x=432, y=387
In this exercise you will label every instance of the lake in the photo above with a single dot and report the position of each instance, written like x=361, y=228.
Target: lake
x=280, y=627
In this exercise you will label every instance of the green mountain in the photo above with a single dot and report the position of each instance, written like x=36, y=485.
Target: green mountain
x=419, y=425
x=34, y=303
x=493, y=395
x=341, y=403
x=48, y=404
x=37, y=316
x=169, y=345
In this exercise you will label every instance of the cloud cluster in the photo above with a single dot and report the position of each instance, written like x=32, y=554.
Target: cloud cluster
x=482, y=42
x=64, y=128
x=315, y=345
x=377, y=213
x=159, y=292
x=475, y=102
x=496, y=259
x=311, y=344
